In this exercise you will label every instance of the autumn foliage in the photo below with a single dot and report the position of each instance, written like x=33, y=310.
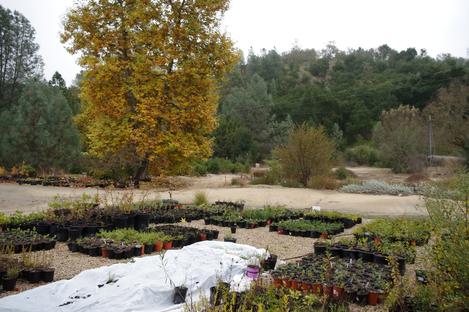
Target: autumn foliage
x=151, y=74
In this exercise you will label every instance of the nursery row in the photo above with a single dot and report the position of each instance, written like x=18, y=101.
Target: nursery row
x=31, y=267
x=127, y=243
x=348, y=220
x=358, y=253
x=306, y=228
x=64, y=182
x=414, y=231
x=343, y=280
x=16, y=241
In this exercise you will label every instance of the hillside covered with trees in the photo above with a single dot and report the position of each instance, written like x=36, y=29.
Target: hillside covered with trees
x=344, y=91
x=44, y=124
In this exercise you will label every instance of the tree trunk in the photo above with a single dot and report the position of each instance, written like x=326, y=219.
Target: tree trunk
x=140, y=172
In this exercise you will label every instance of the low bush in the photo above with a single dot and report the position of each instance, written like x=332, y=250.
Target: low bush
x=377, y=187
x=362, y=155
x=399, y=229
x=200, y=198
x=323, y=183
x=218, y=165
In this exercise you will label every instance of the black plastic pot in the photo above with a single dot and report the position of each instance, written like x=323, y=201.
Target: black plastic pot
x=365, y=255
x=218, y=292
x=215, y=234
x=130, y=220
x=361, y=298
x=141, y=221
x=350, y=253
x=230, y=240
x=120, y=221
x=148, y=249
x=47, y=275
x=319, y=249
x=43, y=228
x=49, y=245
x=72, y=246
x=272, y=228
x=74, y=233
x=233, y=229
x=179, y=295
x=33, y=276
x=270, y=263
x=137, y=251
x=336, y=251
x=90, y=230
x=94, y=251
x=62, y=235
x=379, y=258
x=9, y=284
x=401, y=265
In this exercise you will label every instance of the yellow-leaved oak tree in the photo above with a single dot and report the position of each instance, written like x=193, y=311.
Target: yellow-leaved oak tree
x=151, y=74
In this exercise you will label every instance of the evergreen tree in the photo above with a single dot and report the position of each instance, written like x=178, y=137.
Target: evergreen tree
x=40, y=130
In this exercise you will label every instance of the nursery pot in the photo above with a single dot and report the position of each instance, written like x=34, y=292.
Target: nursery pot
x=62, y=235
x=230, y=240
x=168, y=245
x=324, y=235
x=72, y=246
x=270, y=263
x=379, y=259
x=33, y=276
x=179, y=295
x=327, y=289
x=294, y=284
x=277, y=282
x=319, y=249
x=74, y=233
x=202, y=236
x=120, y=222
x=158, y=246
x=252, y=271
x=141, y=221
x=233, y=229
x=373, y=298
x=148, y=249
x=316, y=288
x=104, y=252
x=9, y=284
x=305, y=287
x=47, y=275
x=361, y=297
x=337, y=293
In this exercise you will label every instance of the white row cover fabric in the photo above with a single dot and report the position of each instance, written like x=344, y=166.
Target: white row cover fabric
x=143, y=284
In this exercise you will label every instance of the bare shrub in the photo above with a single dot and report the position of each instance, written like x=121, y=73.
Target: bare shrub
x=307, y=153
x=400, y=137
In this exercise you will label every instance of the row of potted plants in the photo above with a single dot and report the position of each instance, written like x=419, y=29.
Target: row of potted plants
x=307, y=228
x=348, y=220
x=33, y=267
x=63, y=181
x=127, y=243
x=366, y=252
x=19, y=240
x=358, y=282
x=414, y=231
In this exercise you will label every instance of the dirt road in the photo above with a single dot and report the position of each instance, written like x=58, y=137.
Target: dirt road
x=31, y=198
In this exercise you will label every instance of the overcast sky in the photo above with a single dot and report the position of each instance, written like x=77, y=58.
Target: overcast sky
x=440, y=26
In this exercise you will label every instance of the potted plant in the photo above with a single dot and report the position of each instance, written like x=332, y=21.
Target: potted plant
x=229, y=238
x=9, y=280
x=253, y=268
x=179, y=295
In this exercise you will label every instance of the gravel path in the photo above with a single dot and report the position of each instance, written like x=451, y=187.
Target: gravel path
x=32, y=198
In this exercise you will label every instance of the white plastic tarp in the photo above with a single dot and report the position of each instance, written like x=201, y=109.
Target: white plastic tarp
x=142, y=285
